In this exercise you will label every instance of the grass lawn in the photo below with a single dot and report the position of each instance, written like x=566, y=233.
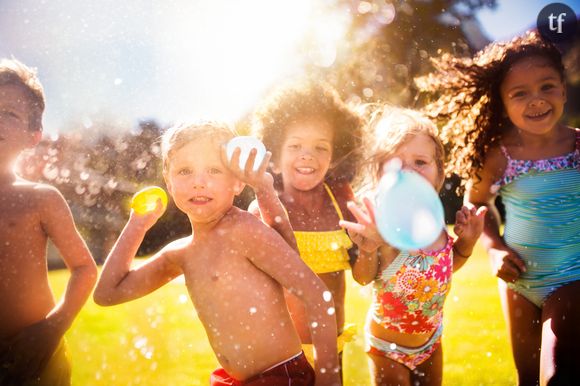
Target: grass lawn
x=158, y=340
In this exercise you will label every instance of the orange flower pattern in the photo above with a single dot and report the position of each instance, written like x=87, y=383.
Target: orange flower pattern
x=411, y=301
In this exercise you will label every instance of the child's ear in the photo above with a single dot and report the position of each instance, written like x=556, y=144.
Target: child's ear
x=35, y=137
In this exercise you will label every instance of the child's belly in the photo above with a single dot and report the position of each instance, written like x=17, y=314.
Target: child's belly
x=402, y=339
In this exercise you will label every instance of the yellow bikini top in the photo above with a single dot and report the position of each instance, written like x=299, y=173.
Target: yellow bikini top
x=325, y=251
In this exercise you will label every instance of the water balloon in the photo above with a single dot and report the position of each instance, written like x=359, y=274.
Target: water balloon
x=145, y=200
x=246, y=144
x=409, y=213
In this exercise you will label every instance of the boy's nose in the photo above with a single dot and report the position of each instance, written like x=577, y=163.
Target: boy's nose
x=306, y=154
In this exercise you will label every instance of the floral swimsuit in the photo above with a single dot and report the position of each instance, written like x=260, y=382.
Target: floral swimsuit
x=408, y=297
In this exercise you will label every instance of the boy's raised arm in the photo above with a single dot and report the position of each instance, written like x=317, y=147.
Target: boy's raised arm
x=271, y=254
x=118, y=282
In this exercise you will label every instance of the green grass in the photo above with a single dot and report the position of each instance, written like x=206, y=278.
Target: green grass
x=158, y=340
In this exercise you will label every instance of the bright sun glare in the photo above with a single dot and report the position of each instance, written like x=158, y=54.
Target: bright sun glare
x=229, y=53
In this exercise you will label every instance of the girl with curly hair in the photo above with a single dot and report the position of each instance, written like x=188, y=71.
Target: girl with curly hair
x=501, y=114
x=314, y=138
x=405, y=320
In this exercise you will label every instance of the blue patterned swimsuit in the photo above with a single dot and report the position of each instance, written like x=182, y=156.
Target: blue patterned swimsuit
x=542, y=202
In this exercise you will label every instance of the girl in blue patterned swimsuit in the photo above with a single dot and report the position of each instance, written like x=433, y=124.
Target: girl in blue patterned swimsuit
x=501, y=112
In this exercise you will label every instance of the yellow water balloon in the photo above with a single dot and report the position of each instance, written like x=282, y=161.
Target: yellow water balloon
x=145, y=200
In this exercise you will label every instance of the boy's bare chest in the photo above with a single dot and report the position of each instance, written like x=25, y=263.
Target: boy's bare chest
x=17, y=216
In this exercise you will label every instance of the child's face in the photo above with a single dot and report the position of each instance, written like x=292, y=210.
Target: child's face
x=533, y=95
x=15, y=107
x=199, y=183
x=419, y=155
x=305, y=154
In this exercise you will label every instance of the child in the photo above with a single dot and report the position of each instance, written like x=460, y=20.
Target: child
x=404, y=327
x=502, y=111
x=32, y=326
x=311, y=133
x=234, y=276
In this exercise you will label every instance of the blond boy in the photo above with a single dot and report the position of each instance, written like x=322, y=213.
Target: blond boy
x=32, y=325
x=235, y=268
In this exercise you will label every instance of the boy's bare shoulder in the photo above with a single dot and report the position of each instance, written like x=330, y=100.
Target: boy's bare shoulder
x=38, y=192
x=243, y=222
x=175, y=249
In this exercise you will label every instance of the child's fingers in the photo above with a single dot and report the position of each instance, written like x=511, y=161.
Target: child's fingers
x=352, y=226
x=249, y=166
x=370, y=206
x=234, y=163
x=265, y=162
x=460, y=217
x=481, y=211
x=360, y=216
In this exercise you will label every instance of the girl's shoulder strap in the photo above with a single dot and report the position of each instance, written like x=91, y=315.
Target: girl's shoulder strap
x=336, y=206
x=504, y=151
x=577, y=139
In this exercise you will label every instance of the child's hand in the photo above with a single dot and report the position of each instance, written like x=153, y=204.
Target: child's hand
x=469, y=222
x=148, y=219
x=507, y=264
x=363, y=233
x=25, y=355
x=257, y=179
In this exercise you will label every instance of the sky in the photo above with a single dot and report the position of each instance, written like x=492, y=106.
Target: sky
x=178, y=60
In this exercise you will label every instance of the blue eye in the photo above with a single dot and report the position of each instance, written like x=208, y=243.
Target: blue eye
x=184, y=172
x=518, y=94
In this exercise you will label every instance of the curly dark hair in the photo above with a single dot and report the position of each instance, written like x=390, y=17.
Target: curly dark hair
x=469, y=105
x=306, y=99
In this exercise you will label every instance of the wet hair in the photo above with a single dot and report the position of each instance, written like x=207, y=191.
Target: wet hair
x=303, y=100
x=16, y=73
x=387, y=130
x=180, y=135
x=469, y=104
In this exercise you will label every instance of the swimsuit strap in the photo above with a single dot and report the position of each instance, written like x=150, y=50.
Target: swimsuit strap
x=334, y=203
x=505, y=152
x=577, y=139
x=336, y=207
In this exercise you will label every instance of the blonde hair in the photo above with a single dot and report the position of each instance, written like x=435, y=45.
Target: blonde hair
x=388, y=128
x=178, y=136
x=14, y=72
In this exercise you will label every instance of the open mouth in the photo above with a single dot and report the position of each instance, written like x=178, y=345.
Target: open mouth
x=305, y=170
x=538, y=116
x=200, y=200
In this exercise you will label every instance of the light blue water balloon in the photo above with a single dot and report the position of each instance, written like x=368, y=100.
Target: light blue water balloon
x=409, y=213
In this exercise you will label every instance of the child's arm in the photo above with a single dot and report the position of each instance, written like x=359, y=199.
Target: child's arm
x=267, y=205
x=507, y=265
x=469, y=222
x=118, y=282
x=36, y=343
x=364, y=234
x=293, y=274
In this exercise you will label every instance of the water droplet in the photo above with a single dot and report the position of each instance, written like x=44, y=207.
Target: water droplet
x=327, y=296
x=253, y=310
x=314, y=324
x=393, y=346
x=330, y=311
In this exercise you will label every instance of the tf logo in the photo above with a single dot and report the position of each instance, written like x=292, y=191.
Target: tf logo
x=557, y=22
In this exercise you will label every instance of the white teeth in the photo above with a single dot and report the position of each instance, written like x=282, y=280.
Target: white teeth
x=305, y=170
x=538, y=114
x=200, y=199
